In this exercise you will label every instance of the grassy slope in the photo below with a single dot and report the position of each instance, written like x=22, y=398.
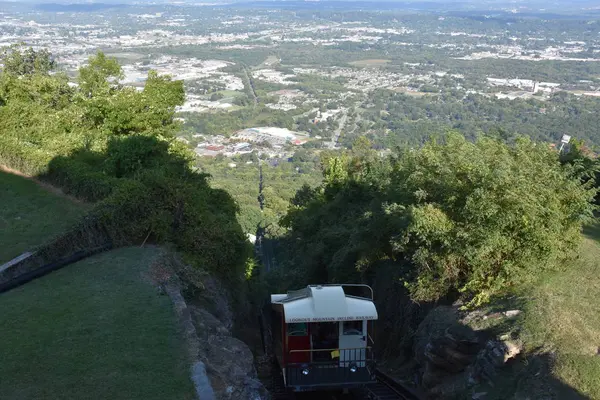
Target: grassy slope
x=560, y=331
x=30, y=215
x=95, y=330
x=566, y=314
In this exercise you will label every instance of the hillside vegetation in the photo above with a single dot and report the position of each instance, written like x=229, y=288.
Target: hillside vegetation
x=490, y=225
x=559, y=329
x=96, y=329
x=31, y=215
x=462, y=219
x=562, y=317
x=114, y=146
x=280, y=183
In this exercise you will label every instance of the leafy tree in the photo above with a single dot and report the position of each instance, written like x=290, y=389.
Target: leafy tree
x=160, y=89
x=459, y=218
x=123, y=110
x=216, y=96
x=20, y=61
x=100, y=75
x=584, y=162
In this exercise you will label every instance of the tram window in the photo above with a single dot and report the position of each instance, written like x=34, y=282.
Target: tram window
x=299, y=329
x=352, y=327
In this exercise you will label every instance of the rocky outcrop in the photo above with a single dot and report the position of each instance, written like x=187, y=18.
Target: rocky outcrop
x=449, y=355
x=222, y=365
x=229, y=362
x=198, y=374
x=495, y=354
x=453, y=357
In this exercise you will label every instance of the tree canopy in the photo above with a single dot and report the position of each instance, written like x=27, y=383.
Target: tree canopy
x=19, y=60
x=459, y=218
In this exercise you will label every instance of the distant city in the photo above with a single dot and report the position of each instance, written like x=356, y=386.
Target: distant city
x=306, y=72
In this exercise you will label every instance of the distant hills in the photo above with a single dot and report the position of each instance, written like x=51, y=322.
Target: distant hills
x=415, y=5
x=77, y=7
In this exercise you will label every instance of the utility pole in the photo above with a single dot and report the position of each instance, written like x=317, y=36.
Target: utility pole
x=261, y=199
x=260, y=229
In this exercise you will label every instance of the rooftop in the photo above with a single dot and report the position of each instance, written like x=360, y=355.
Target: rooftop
x=317, y=303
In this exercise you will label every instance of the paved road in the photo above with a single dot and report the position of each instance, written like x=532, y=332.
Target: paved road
x=336, y=134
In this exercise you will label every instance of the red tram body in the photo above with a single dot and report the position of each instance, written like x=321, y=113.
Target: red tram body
x=322, y=337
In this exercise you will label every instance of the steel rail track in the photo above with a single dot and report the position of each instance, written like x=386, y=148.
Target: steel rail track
x=388, y=388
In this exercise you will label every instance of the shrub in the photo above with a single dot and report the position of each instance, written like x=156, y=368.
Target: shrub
x=79, y=179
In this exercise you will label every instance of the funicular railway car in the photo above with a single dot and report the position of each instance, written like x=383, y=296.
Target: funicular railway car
x=322, y=337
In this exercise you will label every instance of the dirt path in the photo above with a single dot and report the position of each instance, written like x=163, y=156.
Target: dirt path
x=46, y=186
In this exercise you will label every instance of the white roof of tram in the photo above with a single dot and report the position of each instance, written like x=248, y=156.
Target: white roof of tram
x=324, y=304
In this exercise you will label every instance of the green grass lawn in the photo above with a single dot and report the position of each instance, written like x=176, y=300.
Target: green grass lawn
x=566, y=313
x=96, y=329
x=560, y=331
x=31, y=215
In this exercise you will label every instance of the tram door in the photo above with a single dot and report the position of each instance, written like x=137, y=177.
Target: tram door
x=353, y=343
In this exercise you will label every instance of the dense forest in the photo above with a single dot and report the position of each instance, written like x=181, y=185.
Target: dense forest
x=397, y=119
x=459, y=218
x=282, y=178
